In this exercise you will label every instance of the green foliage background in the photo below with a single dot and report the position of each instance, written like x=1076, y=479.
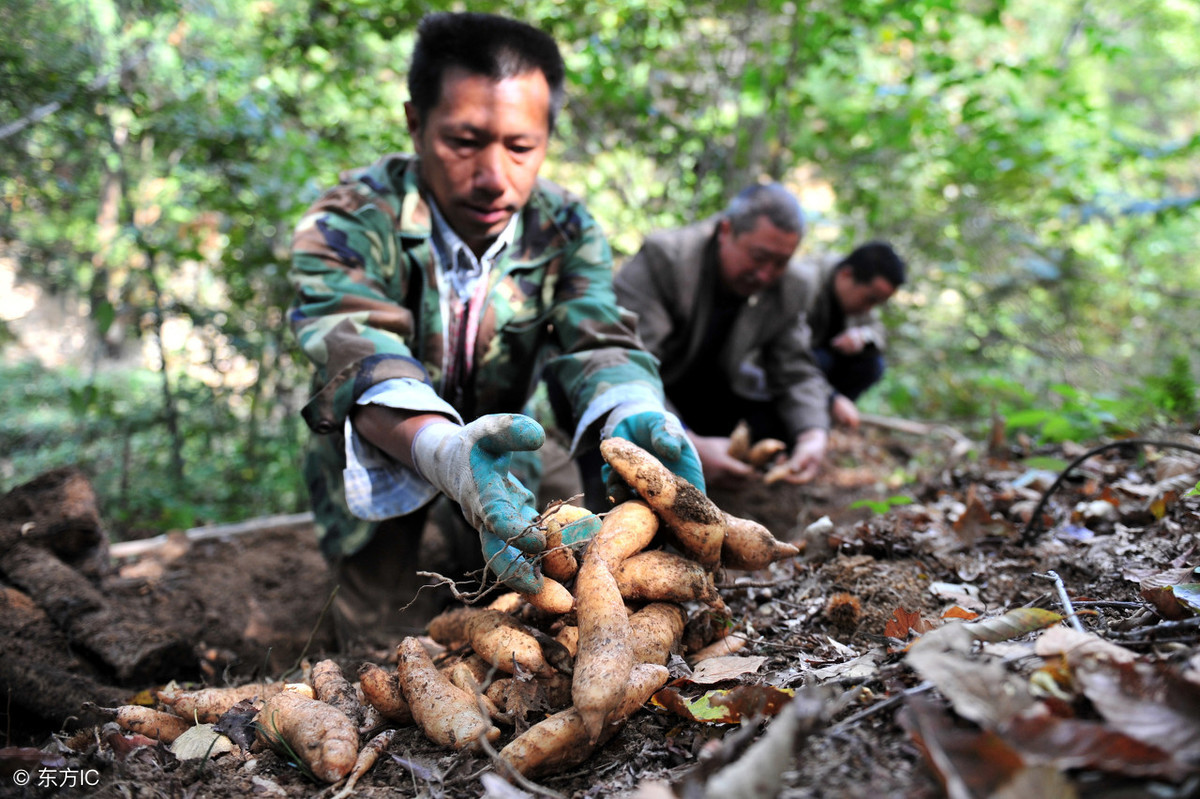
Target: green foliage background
x=1036, y=163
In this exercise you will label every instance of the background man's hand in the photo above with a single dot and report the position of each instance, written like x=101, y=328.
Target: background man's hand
x=849, y=341
x=845, y=412
x=807, y=456
x=720, y=468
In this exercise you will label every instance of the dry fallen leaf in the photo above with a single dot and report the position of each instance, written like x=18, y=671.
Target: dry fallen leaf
x=728, y=667
x=1153, y=704
x=200, y=741
x=238, y=723
x=903, y=622
x=1063, y=641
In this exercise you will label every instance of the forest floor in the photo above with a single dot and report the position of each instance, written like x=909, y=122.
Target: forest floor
x=863, y=628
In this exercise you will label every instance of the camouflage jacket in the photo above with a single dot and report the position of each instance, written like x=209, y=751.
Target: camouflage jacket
x=367, y=310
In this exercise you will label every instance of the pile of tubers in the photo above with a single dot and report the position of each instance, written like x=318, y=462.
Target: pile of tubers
x=763, y=454
x=586, y=653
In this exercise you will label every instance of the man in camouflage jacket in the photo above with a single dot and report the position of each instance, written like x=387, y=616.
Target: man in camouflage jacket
x=433, y=292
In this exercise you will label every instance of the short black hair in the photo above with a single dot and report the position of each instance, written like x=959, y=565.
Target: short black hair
x=483, y=44
x=772, y=200
x=875, y=259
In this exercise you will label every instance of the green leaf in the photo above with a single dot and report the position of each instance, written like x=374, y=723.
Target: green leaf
x=104, y=313
x=725, y=706
x=1047, y=463
x=881, y=505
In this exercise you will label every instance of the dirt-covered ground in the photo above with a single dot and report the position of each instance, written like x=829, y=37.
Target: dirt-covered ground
x=997, y=696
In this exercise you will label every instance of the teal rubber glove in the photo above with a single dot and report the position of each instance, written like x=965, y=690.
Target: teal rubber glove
x=470, y=464
x=661, y=435
x=578, y=533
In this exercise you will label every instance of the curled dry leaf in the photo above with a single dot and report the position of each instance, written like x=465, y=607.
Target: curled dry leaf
x=237, y=723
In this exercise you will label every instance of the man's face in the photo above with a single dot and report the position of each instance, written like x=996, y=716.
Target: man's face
x=858, y=298
x=756, y=259
x=481, y=147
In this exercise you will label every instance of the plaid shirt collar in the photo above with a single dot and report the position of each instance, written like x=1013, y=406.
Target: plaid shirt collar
x=456, y=260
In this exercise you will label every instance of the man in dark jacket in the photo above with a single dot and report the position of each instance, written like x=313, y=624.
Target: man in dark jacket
x=847, y=334
x=716, y=298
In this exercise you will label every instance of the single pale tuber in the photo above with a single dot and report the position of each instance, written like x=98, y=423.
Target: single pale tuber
x=604, y=657
x=448, y=715
x=321, y=736
x=749, y=545
x=660, y=576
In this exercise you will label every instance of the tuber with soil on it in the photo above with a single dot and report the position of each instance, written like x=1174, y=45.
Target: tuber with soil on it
x=147, y=721
x=661, y=576
x=448, y=715
x=449, y=628
x=750, y=546
x=331, y=686
x=367, y=757
x=722, y=647
x=506, y=643
x=656, y=631
x=207, y=705
x=564, y=525
x=626, y=530
x=604, y=657
x=764, y=452
x=318, y=735
x=693, y=520
x=554, y=598
x=758, y=454
x=739, y=441
x=580, y=659
x=381, y=689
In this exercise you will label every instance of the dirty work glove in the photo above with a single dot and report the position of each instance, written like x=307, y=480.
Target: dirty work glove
x=471, y=466
x=660, y=434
